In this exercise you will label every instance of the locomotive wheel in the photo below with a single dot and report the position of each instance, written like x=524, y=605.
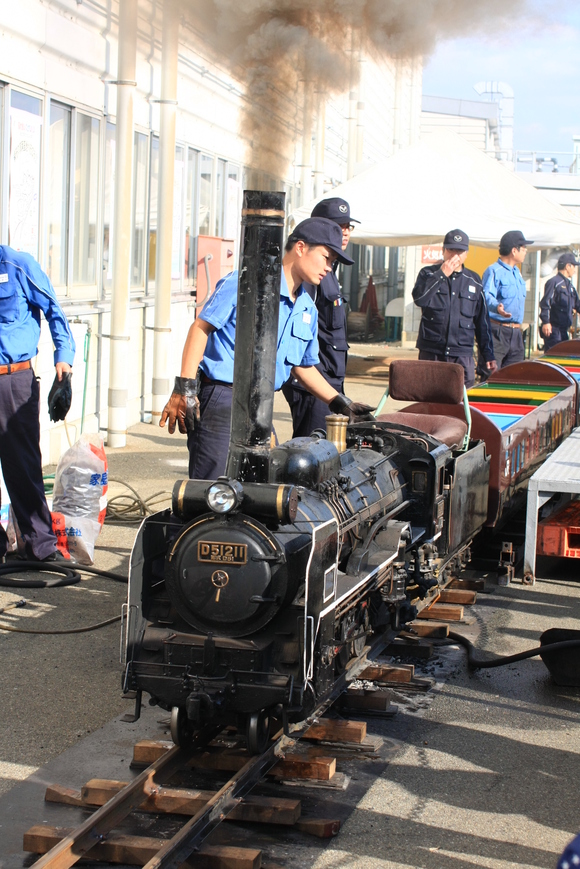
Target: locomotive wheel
x=181, y=731
x=258, y=731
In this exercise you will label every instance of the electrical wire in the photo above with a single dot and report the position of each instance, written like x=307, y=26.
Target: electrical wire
x=126, y=508
x=481, y=663
x=69, y=631
x=71, y=574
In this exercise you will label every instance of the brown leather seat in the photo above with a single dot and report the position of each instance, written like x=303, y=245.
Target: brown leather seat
x=430, y=383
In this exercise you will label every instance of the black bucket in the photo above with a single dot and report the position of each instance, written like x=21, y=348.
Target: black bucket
x=563, y=664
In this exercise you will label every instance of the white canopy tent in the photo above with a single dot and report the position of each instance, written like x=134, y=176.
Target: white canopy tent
x=443, y=182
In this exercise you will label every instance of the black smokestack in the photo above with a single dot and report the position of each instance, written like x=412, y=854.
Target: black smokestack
x=256, y=335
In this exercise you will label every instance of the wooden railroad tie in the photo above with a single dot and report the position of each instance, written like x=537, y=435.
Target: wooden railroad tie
x=337, y=730
x=179, y=801
x=433, y=630
x=447, y=611
x=458, y=595
x=138, y=850
x=147, y=751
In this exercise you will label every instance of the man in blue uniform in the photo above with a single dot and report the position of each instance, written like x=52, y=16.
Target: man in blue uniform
x=201, y=406
x=453, y=310
x=25, y=292
x=505, y=293
x=308, y=412
x=559, y=302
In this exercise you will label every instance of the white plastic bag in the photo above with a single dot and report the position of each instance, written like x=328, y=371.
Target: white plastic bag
x=79, y=500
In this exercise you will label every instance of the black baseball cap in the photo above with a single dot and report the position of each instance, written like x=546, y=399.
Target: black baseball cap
x=456, y=239
x=514, y=238
x=566, y=258
x=319, y=230
x=336, y=209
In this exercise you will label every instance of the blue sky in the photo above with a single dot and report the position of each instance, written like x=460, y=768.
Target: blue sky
x=539, y=58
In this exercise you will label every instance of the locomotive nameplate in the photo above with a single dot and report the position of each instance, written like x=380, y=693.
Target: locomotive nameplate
x=222, y=553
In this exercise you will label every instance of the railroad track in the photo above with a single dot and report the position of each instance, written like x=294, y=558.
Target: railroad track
x=96, y=838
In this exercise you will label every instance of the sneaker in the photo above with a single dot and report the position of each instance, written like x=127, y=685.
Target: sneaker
x=56, y=557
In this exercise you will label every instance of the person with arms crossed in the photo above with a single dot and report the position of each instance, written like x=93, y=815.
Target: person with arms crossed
x=505, y=293
x=201, y=401
x=559, y=302
x=25, y=293
x=453, y=310
x=308, y=412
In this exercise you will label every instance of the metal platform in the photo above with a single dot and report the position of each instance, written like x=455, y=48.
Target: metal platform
x=560, y=474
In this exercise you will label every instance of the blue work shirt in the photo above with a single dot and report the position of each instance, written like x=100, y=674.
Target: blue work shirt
x=503, y=284
x=25, y=291
x=297, y=331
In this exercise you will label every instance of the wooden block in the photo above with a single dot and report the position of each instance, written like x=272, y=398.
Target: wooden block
x=318, y=768
x=385, y=673
x=337, y=730
x=411, y=650
x=357, y=698
x=64, y=796
x=431, y=629
x=138, y=850
x=469, y=584
x=321, y=827
x=458, y=595
x=185, y=801
x=448, y=611
x=147, y=751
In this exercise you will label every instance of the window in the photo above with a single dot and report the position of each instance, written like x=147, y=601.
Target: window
x=57, y=205
x=205, y=185
x=190, y=259
x=219, y=199
x=25, y=141
x=177, y=236
x=86, y=185
x=139, y=209
x=153, y=204
x=109, y=205
x=232, y=221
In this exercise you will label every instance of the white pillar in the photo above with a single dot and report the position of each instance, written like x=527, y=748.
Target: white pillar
x=119, y=350
x=360, y=113
x=320, y=146
x=306, y=165
x=352, y=109
x=161, y=387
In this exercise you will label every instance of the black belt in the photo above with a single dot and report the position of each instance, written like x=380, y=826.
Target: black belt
x=207, y=381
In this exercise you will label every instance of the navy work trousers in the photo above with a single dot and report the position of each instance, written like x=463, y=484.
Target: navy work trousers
x=555, y=338
x=308, y=412
x=467, y=362
x=508, y=347
x=22, y=463
x=208, y=444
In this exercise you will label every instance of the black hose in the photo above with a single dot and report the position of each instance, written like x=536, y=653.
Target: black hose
x=67, y=631
x=70, y=574
x=478, y=663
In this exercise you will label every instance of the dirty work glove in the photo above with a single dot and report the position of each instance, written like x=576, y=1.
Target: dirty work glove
x=183, y=406
x=355, y=410
x=60, y=397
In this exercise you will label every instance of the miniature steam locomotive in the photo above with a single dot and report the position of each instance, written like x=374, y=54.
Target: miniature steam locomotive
x=250, y=597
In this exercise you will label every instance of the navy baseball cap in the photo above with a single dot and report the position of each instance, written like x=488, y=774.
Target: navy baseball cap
x=334, y=209
x=456, y=239
x=566, y=258
x=514, y=238
x=319, y=230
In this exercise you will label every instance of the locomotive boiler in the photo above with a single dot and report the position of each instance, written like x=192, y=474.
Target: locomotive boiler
x=252, y=595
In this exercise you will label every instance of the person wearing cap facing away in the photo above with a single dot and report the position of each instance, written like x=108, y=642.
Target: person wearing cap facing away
x=453, y=310
x=559, y=302
x=308, y=412
x=201, y=401
x=505, y=293
x=25, y=293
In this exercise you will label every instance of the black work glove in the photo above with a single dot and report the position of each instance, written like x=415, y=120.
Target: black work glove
x=183, y=406
x=60, y=397
x=355, y=410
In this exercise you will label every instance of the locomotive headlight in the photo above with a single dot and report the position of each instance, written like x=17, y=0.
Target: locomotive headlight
x=224, y=496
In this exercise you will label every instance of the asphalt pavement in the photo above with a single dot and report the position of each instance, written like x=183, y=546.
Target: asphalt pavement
x=486, y=774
